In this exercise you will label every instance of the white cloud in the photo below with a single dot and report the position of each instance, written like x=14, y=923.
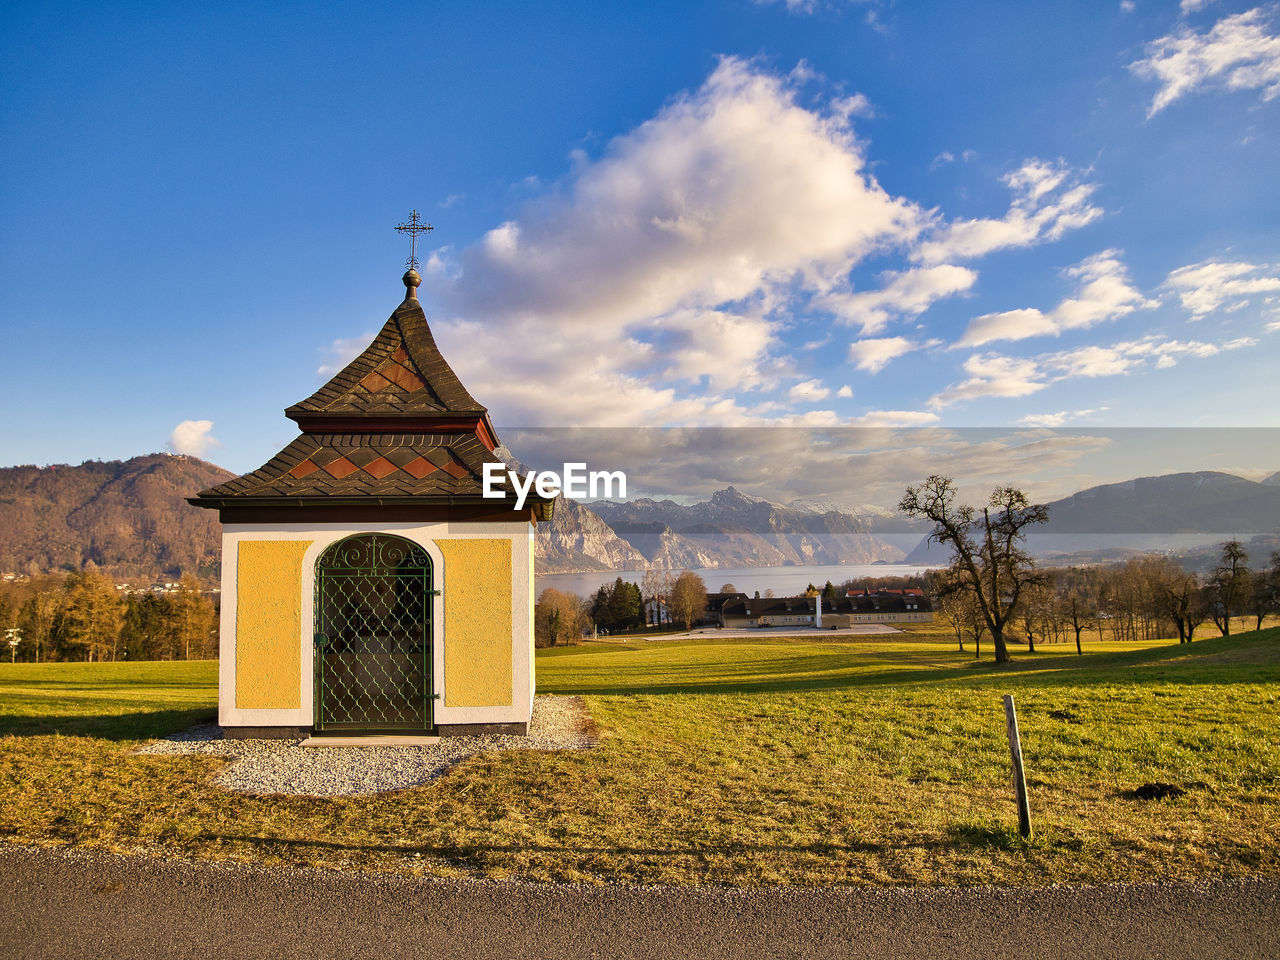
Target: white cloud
x=726, y=348
x=998, y=375
x=793, y=6
x=993, y=375
x=1059, y=418
x=658, y=276
x=1128, y=6
x=874, y=355
x=659, y=222
x=810, y=391
x=847, y=391
x=1049, y=199
x=855, y=105
x=1190, y=6
x=192, y=438
x=1104, y=293
x=946, y=157
x=895, y=418
x=1237, y=54
x=904, y=296
x=1091, y=361
x=1166, y=353
x=1212, y=285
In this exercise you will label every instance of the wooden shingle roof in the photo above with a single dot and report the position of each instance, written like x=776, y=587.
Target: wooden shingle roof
x=383, y=465
x=400, y=373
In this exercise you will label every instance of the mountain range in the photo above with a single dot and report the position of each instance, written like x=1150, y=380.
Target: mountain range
x=131, y=519
x=730, y=529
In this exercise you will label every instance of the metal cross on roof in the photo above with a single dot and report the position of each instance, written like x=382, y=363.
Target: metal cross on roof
x=413, y=226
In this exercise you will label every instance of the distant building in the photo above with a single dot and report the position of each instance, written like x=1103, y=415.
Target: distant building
x=714, y=613
x=865, y=607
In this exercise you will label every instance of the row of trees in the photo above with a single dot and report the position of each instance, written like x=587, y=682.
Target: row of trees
x=561, y=617
x=84, y=617
x=993, y=588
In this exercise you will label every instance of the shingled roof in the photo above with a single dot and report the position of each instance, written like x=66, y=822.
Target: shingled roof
x=395, y=425
x=401, y=372
x=366, y=465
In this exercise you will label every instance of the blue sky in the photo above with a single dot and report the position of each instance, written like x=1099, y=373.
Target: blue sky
x=732, y=214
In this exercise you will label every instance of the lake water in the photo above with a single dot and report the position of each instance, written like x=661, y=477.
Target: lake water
x=783, y=581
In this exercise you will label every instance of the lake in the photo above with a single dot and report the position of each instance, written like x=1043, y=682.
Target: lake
x=783, y=581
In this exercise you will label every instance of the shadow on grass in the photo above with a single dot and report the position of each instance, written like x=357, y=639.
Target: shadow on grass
x=465, y=852
x=1245, y=658
x=123, y=726
x=987, y=835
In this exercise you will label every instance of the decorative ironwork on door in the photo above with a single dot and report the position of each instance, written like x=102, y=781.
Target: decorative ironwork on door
x=373, y=636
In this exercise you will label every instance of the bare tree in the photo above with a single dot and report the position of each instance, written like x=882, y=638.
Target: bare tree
x=987, y=547
x=1228, y=585
x=1261, y=598
x=688, y=598
x=655, y=588
x=557, y=617
x=1036, y=613
x=952, y=603
x=1078, y=614
x=1180, y=596
x=42, y=610
x=977, y=626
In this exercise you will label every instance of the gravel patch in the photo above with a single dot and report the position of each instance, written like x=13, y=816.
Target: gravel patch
x=282, y=766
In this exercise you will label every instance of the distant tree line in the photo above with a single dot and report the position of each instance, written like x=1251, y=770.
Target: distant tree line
x=619, y=607
x=82, y=616
x=993, y=588
x=1148, y=597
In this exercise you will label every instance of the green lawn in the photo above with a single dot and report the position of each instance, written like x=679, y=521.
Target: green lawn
x=740, y=762
x=117, y=701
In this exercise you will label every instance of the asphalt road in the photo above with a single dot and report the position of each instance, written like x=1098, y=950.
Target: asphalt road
x=83, y=904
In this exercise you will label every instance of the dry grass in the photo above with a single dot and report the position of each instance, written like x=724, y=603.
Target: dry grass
x=762, y=763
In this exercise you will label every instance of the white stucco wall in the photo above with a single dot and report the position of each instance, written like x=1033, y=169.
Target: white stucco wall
x=425, y=535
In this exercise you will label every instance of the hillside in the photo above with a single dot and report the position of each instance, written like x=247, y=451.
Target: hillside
x=128, y=517
x=1184, y=512
x=577, y=540
x=1203, y=502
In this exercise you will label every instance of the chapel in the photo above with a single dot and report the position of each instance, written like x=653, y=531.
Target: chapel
x=368, y=587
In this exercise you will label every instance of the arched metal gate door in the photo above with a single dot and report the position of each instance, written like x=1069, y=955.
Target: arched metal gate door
x=373, y=636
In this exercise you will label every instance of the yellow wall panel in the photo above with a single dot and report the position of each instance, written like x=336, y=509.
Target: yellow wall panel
x=477, y=622
x=269, y=624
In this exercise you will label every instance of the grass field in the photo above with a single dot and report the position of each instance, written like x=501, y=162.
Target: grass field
x=115, y=701
x=738, y=762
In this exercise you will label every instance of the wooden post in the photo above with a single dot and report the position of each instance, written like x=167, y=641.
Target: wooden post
x=1019, y=778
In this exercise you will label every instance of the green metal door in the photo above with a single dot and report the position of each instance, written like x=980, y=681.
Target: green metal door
x=373, y=636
